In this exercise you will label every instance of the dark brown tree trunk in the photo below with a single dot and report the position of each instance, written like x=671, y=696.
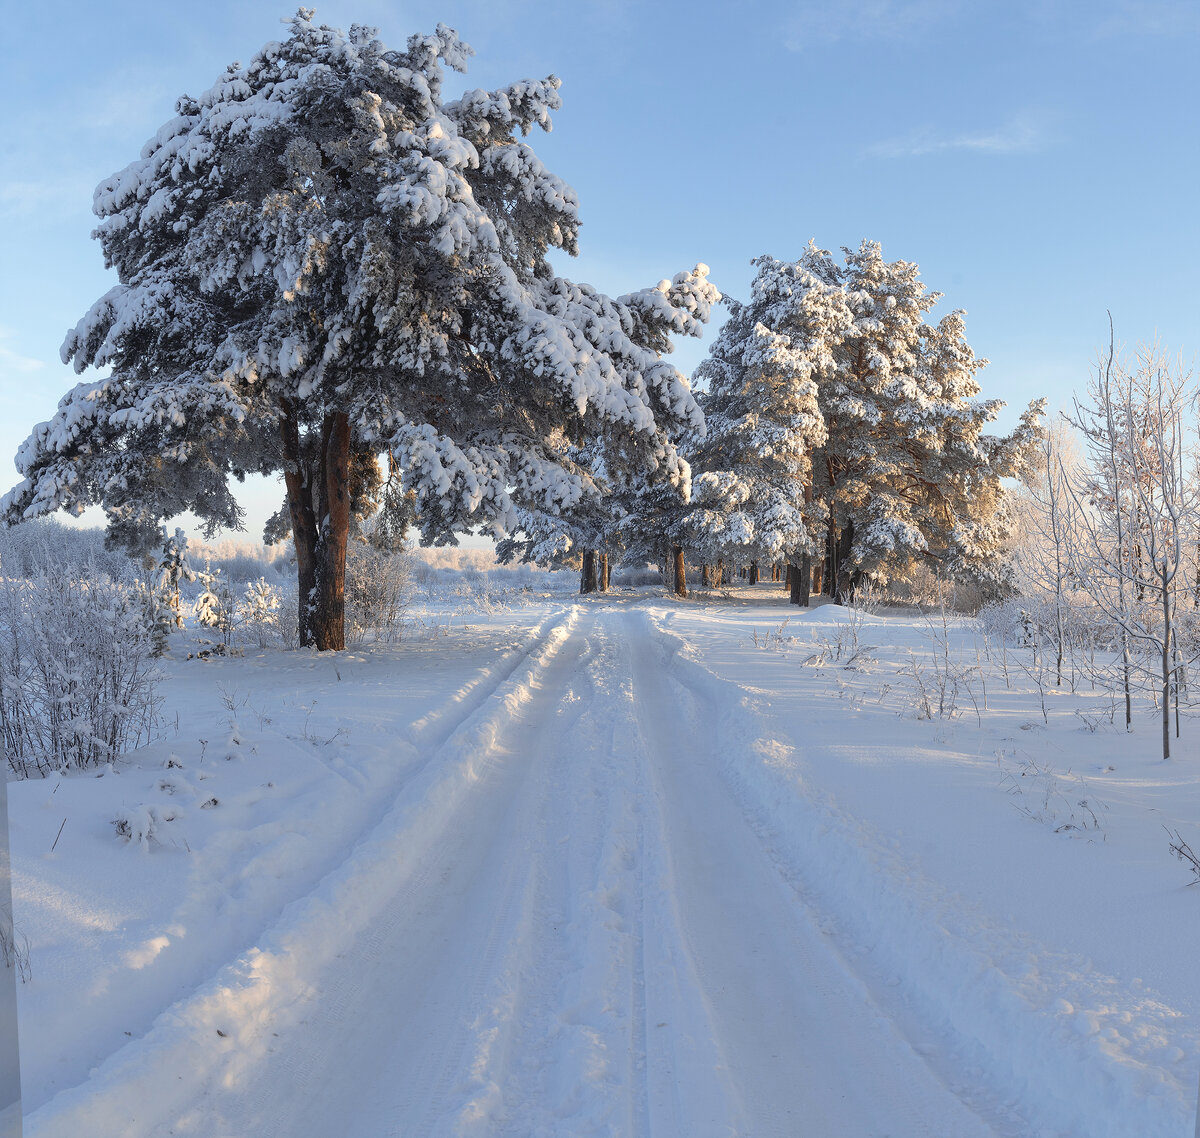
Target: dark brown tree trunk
x=720, y=572
x=296, y=477
x=329, y=594
x=847, y=576
x=587, y=579
x=753, y=572
x=602, y=574
x=680, y=572
x=830, y=570
x=799, y=579
x=705, y=576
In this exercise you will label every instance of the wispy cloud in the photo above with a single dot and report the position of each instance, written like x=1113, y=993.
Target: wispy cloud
x=820, y=22
x=1149, y=17
x=49, y=197
x=1022, y=134
x=12, y=361
x=826, y=21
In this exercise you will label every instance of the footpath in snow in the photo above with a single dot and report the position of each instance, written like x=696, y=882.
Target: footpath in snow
x=608, y=867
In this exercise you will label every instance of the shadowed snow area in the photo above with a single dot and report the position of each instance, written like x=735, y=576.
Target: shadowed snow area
x=622, y=867
x=10, y=1064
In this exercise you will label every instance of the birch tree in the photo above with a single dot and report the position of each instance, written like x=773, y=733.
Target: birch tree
x=1139, y=512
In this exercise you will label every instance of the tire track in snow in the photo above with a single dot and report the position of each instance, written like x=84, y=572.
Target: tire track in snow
x=806, y=1048
x=996, y=1015
x=608, y=1032
x=437, y=947
x=206, y=1054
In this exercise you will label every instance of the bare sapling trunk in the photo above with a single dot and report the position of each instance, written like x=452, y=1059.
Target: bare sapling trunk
x=1166, y=660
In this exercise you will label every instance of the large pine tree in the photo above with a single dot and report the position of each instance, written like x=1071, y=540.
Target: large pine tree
x=321, y=262
x=752, y=473
x=834, y=402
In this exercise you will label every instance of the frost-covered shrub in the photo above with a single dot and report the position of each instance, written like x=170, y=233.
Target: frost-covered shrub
x=140, y=825
x=215, y=609
x=31, y=547
x=175, y=567
x=634, y=577
x=241, y=562
x=160, y=612
x=258, y=612
x=77, y=678
x=378, y=586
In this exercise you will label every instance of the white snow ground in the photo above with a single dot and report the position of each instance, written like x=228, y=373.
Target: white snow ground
x=10, y=1060
x=612, y=867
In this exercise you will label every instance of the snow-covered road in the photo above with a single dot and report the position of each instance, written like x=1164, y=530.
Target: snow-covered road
x=565, y=925
x=617, y=866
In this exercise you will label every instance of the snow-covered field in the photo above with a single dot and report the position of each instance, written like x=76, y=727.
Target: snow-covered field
x=617, y=865
x=10, y=1062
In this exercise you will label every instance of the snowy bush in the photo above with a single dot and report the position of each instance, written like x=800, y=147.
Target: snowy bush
x=160, y=613
x=77, y=679
x=634, y=577
x=214, y=606
x=378, y=586
x=141, y=825
x=258, y=612
x=14, y=947
x=241, y=562
x=27, y=549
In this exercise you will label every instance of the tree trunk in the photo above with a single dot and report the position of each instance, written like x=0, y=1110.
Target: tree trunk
x=705, y=576
x=680, y=573
x=329, y=594
x=1166, y=663
x=753, y=572
x=296, y=477
x=602, y=575
x=720, y=572
x=799, y=578
x=830, y=573
x=587, y=579
x=845, y=576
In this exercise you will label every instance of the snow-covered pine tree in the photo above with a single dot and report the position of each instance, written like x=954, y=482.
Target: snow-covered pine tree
x=648, y=529
x=584, y=536
x=752, y=473
x=259, y=610
x=175, y=567
x=211, y=606
x=322, y=260
x=904, y=472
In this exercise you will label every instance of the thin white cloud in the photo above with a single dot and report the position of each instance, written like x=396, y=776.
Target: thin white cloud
x=1020, y=135
x=826, y=21
x=70, y=193
x=1150, y=17
x=820, y=22
x=11, y=361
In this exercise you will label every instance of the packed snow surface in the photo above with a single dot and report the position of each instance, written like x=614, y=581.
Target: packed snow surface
x=617, y=865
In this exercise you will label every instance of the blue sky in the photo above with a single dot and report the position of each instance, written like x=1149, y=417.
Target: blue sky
x=1038, y=160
